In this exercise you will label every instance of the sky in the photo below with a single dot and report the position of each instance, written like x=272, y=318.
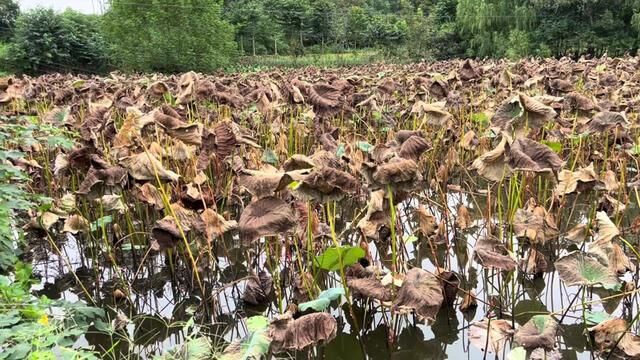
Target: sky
x=84, y=6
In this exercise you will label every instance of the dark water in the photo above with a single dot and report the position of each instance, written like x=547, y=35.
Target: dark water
x=162, y=300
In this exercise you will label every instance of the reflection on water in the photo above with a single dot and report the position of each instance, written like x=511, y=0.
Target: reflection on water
x=162, y=301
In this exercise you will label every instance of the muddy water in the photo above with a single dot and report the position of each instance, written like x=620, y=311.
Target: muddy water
x=162, y=300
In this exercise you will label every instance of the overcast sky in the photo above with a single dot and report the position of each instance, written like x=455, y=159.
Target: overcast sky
x=85, y=6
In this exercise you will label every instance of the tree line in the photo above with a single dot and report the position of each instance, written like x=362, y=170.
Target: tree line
x=205, y=35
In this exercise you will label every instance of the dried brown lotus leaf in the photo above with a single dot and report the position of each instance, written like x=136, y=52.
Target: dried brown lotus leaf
x=112, y=202
x=579, y=180
x=492, y=165
x=313, y=329
x=150, y=195
x=215, y=224
x=325, y=184
x=111, y=176
x=264, y=217
x=369, y=287
x=469, y=141
x=463, y=218
x=145, y=166
x=433, y=114
x=421, y=291
x=76, y=224
x=526, y=154
x=614, y=335
x=258, y=289
x=426, y=221
x=399, y=172
x=414, y=147
x=490, y=335
x=166, y=233
x=522, y=113
x=539, y=332
x=607, y=230
x=491, y=253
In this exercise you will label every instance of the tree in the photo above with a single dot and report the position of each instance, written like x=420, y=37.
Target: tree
x=9, y=11
x=255, y=29
x=45, y=41
x=292, y=16
x=169, y=36
x=321, y=21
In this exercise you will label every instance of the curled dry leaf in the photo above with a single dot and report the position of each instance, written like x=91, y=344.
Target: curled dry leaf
x=491, y=253
x=369, y=287
x=145, y=166
x=165, y=233
x=313, y=329
x=492, y=165
x=258, y=289
x=463, y=218
x=469, y=301
x=264, y=217
x=490, y=335
x=579, y=180
x=529, y=155
x=414, y=147
x=421, y=291
x=215, y=224
x=325, y=184
x=426, y=221
x=76, y=224
x=521, y=113
x=614, y=335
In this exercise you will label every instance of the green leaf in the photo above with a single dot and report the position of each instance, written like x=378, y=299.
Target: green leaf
x=364, y=146
x=335, y=258
x=9, y=319
x=596, y=317
x=18, y=352
x=408, y=239
x=518, y=353
x=556, y=146
x=270, y=157
x=480, y=118
x=340, y=151
x=98, y=224
x=257, y=323
x=323, y=300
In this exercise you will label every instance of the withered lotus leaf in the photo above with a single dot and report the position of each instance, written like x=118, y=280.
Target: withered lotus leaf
x=490, y=334
x=369, y=287
x=264, y=217
x=613, y=335
x=521, y=113
x=398, y=172
x=526, y=154
x=414, y=147
x=579, y=180
x=492, y=165
x=313, y=329
x=539, y=332
x=145, y=166
x=491, y=253
x=76, y=224
x=215, y=224
x=166, y=233
x=421, y=291
x=111, y=176
x=325, y=184
x=258, y=289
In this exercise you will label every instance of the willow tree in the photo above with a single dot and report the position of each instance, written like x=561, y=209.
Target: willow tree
x=492, y=26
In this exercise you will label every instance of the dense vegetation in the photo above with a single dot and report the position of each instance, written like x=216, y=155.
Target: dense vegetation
x=171, y=36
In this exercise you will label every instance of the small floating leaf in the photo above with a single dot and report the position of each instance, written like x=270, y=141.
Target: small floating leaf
x=270, y=157
x=364, y=146
x=103, y=221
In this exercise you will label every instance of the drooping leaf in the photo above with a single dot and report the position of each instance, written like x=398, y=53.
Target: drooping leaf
x=580, y=268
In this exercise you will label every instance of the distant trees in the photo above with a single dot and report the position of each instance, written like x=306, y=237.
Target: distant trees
x=46, y=41
x=204, y=35
x=9, y=11
x=169, y=36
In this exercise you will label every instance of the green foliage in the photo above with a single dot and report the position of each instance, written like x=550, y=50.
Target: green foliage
x=45, y=41
x=323, y=300
x=161, y=36
x=9, y=11
x=336, y=258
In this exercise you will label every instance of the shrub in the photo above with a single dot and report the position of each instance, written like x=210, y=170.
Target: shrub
x=46, y=41
x=166, y=36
